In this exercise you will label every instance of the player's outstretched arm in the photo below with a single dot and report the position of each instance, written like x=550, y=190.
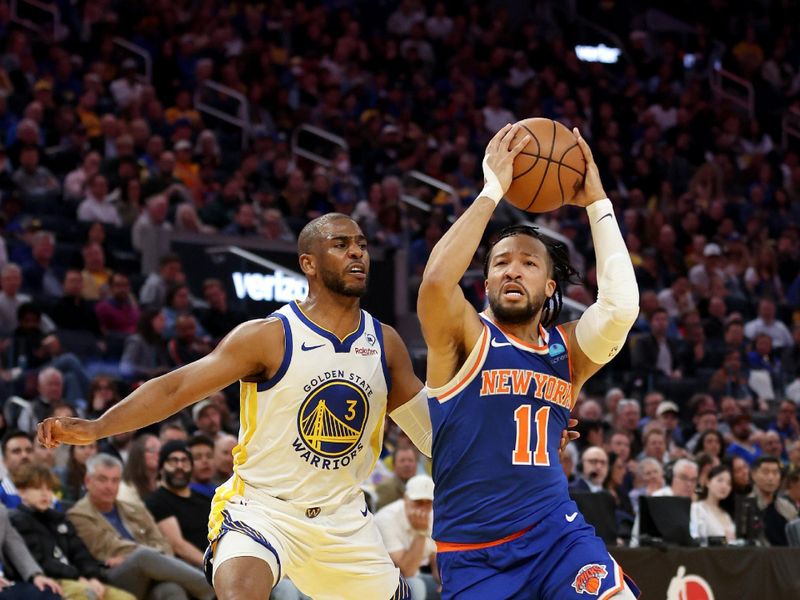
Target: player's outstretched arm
x=449, y=323
x=247, y=352
x=601, y=331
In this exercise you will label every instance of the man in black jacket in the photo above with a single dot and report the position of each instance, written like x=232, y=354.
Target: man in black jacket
x=52, y=540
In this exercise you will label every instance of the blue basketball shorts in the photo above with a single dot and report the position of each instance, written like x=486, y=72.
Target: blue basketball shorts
x=559, y=558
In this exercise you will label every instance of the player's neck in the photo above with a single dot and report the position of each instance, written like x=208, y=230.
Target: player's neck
x=336, y=313
x=527, y=331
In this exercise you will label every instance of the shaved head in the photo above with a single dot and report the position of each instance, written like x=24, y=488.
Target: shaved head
x=314, y=231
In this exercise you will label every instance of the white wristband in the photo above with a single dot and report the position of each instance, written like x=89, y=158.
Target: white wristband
x=491, y=188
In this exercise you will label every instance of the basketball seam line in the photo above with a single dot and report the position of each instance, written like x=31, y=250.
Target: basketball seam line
x=537, y=155
x=563, y=164
x=547, y=168
x=558, y=172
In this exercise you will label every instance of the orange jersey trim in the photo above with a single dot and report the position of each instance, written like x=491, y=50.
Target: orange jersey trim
x=451, y=390
x=456, y=547
x=516, y=340
x=616, y=589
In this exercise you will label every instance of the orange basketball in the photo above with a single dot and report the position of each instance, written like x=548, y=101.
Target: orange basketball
x=549, y=170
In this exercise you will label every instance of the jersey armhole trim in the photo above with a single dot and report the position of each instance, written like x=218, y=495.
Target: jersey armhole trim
x=467, y=371
x=569, y=354
x=384, y=364
x=287, y=355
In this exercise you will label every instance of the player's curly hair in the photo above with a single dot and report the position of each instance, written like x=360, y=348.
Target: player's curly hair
x=561, y=270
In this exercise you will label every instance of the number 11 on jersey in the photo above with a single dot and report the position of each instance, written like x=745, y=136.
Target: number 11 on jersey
x=522, y=447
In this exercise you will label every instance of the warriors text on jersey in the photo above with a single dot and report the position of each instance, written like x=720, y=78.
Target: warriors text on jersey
x=312, y=433
x=496, y=435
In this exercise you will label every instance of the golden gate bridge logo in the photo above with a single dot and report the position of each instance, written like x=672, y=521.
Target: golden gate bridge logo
x=332, y=418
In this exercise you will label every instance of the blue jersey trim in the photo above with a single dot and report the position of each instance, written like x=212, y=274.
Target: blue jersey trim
x=287, y=355
x=379, y=334
x=342, y=345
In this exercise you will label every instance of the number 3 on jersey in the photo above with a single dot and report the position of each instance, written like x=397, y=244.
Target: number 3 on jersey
x=522, y=447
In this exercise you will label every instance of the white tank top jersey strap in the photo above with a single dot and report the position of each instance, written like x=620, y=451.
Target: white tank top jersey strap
x=312, y=433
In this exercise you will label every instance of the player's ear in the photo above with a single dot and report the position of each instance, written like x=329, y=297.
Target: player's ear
x=550, y=288
x=308, y=264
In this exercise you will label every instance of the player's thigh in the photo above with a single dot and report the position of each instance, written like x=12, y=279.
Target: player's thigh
x=349, y=561
x=243, y=578
x=244, y=569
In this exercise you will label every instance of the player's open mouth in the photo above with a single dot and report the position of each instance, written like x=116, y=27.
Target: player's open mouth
x=513, y=291
x=358, y=270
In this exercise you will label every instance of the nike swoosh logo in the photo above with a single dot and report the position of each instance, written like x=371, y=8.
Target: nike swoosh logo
x=496, y=344
x=307, y=348
x=365, y=511
x=571, y=518
x=603, y=217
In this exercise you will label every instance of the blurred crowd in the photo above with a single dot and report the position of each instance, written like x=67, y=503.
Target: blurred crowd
x=99, y=165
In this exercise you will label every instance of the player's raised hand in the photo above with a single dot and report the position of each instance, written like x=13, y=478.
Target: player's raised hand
x=592, y=185
x=498, y=162
x=66, y=430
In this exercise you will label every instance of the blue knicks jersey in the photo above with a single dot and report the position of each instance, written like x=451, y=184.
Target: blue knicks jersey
x=496, y=434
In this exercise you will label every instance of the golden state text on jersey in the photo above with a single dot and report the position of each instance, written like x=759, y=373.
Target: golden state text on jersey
x=312, y=433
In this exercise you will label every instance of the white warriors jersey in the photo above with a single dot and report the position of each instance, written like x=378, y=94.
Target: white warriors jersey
x=313, y=432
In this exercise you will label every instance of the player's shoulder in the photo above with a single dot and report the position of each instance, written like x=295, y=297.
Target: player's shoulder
x=263, y=330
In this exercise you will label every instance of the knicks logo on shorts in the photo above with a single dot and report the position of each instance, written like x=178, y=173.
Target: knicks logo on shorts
x=589, y=578
x=332, y=419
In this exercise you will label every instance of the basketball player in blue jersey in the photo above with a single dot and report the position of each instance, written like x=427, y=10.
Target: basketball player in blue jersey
x=317, y=379
x=501, y=385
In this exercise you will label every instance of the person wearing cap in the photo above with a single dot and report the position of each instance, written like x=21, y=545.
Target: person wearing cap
x=667, y=416
x=187, y=171
x=406, y=527
x=701, y=274
x=208, y=419
x=179, y=511
x=126, y=89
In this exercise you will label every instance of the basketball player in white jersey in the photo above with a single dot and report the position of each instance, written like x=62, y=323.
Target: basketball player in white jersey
x=317, y=378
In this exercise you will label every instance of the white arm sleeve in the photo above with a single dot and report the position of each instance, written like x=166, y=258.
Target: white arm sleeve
x=602, y=329
x=414, y=419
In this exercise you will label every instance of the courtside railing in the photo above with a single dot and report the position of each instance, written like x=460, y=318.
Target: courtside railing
x=43, y=18
x=734, y=89
x=140, y=53
x=317, y=145
x=204, y=100
x=790, y=126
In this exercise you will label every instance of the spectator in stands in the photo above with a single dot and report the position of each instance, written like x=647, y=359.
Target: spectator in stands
x=187, y=345
x=145, y=353
x=95, y=274
x=76, y=180
x=202, y=449
x=97, y=205
x=593, y=471
x=119, y=313
x=178, y=303
x=32, y=179
x=103, y=394
x=244, y=222
x=614, y=484
x=32, y=583
x=24, y=414
x=628, y=415
x=10, y=297
x=140, y=473
x=127, y=89
x=17, y=451
x=219, y=318
x=39, y=276
x=404, y=465
x=405, y=526
x=52, y=540
x=157, y=285
x=223, y=457
x=179, y=511
x=730, y=379
x=772, y=445
x=207, y=419
x=767, y=323
x=712, y=443
x=118, y=446
x=73, y=474
x=650, y=404
x=667, y=416
x=785, y=422
x=171, y=431
x=742, y=445
x=164, y=180
x=654, y=441
x=656, y=354
x=702, y=274
x=72, y=311
x=128, y=541
x=151, y=231
x=792, y=491
x=708, y=517
x=775, y=510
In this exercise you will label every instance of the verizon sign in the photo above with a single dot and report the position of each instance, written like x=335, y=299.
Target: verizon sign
x=280, y=286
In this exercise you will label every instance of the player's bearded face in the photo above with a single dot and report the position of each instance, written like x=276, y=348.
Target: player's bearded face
x=515, y=312
x=338, y=282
